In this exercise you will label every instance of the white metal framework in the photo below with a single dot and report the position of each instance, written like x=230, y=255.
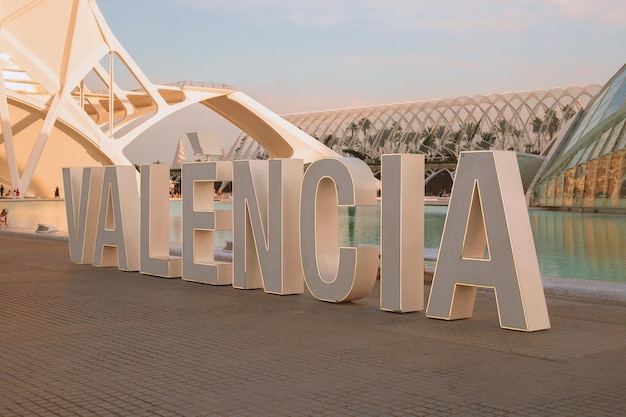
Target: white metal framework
x=525, y=121
x=70, y=95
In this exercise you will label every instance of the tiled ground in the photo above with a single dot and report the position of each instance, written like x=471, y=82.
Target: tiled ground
x=77, y=340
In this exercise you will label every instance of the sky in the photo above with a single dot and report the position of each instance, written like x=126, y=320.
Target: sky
x=296, y=56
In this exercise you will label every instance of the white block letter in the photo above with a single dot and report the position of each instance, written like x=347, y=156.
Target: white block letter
x=331, y=273
x=83, y=187
x=402, y=233
x=117, y=236
x=155, y=226
x=200, y=221
x=487, y=242
x=265, y=234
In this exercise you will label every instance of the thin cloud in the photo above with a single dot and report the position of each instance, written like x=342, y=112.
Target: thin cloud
x=377, y=15
x=390, y=60
x=404, y=15
x=601, y=11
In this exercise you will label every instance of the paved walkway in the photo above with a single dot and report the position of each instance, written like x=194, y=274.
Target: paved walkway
x=76, y=340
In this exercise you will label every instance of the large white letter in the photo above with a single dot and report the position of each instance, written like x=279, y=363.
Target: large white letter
x=331, y=273
x=83, y=187
x=487, y=242
x=155, y=226
x=265, y=234
x=200, y=221
x=117, y=237
x=402, y=233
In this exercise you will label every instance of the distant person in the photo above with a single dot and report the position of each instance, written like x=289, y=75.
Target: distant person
x=56, y=192
x=3, y=216
x=1, y=190
x=17, y=192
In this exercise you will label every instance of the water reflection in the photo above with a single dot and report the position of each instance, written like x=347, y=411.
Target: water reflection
x=571, y=245
x=28, y=213
x=577, y=245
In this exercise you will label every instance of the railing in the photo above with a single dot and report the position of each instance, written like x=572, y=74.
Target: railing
x=189, y=83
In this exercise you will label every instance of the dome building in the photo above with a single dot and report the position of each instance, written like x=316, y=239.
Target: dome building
x=527, y=122
x=587, y=169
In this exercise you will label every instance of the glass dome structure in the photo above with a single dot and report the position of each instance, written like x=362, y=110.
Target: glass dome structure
x=525, y=121
x=587, y=169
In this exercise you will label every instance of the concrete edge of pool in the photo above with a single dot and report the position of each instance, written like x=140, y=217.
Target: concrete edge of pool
x=569, y=287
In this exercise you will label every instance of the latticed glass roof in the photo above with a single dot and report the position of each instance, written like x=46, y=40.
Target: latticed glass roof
x=600, y=130
x=588, y=168
x=525, y=121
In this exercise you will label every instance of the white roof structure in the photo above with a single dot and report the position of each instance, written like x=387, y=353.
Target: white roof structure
x=64, y=100
x=524, y=121
x=586, y=168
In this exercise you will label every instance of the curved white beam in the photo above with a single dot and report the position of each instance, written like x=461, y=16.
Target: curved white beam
x=279, y=137
x=50, y=104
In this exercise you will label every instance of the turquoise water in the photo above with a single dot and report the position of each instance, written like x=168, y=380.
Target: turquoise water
x=569, y=245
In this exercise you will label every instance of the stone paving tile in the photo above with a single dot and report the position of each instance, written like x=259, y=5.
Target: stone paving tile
x=76, y=340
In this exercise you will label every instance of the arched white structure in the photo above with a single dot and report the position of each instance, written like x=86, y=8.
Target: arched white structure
x=75, y=97
x=524, y=121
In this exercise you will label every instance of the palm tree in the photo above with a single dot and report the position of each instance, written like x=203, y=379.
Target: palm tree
x=457, y=142
x=537, y=124
x=487, y=140
x=328, y=140
x=502, y=127
x=398, y=131
x=365, y=124
x=428, y=136
x=441, y=142
x=518, y=136
x=551, y=123
x=537, y=130
x=410, y=138
x=568, y=111
x=472, y=131
x=352, y=128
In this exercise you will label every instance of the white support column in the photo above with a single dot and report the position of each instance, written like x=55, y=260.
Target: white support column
x=39, y=145
x=111, y=95
x=82, y=94
x=8, y=135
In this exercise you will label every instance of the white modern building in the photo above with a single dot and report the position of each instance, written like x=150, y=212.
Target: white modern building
x=587, y=168
x=75, y=97
x=527, y=122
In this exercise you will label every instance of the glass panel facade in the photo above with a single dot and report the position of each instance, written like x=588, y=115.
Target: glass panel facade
x=590, y=168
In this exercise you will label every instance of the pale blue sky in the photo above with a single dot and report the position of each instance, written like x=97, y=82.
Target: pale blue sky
x=297, y=56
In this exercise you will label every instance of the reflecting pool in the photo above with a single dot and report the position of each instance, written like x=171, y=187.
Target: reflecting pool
x=569, y=245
